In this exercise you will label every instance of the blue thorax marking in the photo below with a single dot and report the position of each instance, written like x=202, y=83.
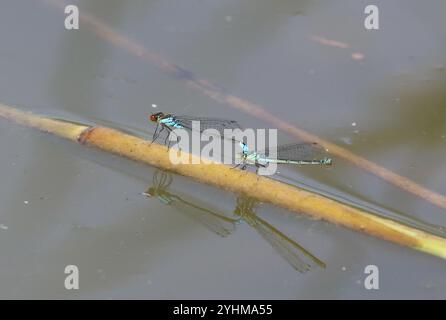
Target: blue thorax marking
x=245, y=149
x=171, y=122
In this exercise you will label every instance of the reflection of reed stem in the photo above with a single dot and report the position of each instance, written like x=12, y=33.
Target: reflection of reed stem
x=216, y=93
x=242, y=182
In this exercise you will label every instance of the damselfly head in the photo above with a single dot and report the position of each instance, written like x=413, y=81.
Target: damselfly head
x=155, y=116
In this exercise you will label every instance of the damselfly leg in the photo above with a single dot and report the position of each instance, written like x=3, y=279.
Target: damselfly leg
x=157, y=134
x=168, y=135
x=154, y=137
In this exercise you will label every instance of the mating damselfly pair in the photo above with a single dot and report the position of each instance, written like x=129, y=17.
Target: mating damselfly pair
x=294, y=153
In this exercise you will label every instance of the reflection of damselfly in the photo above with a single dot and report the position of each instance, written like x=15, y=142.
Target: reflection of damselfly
x=216, y=222
x=296, y=255
x=294, y=153
x=170, y=122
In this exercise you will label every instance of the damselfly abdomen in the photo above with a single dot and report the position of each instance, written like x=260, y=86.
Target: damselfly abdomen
x=294, y=153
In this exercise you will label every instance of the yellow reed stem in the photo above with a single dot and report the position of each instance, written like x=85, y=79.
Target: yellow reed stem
x=260, y=188
x=214, y=92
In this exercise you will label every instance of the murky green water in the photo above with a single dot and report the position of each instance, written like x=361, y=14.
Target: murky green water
x=381, y=95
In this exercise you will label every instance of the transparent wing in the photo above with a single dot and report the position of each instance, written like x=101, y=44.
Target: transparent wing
x=215, y=222
x=296, y=151
x=297, y=256
x=208, y=123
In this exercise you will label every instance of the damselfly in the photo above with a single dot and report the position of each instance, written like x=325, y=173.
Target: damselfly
x=216, y=222
x=294, y=153
x=297, y=256
x=170, y=122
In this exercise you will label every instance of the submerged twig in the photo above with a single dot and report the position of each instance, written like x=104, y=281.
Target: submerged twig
x=246, y=183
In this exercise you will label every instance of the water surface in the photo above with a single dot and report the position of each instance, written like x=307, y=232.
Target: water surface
x=61, y=204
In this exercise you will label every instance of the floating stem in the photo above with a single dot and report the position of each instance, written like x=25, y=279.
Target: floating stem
x=242, y=182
